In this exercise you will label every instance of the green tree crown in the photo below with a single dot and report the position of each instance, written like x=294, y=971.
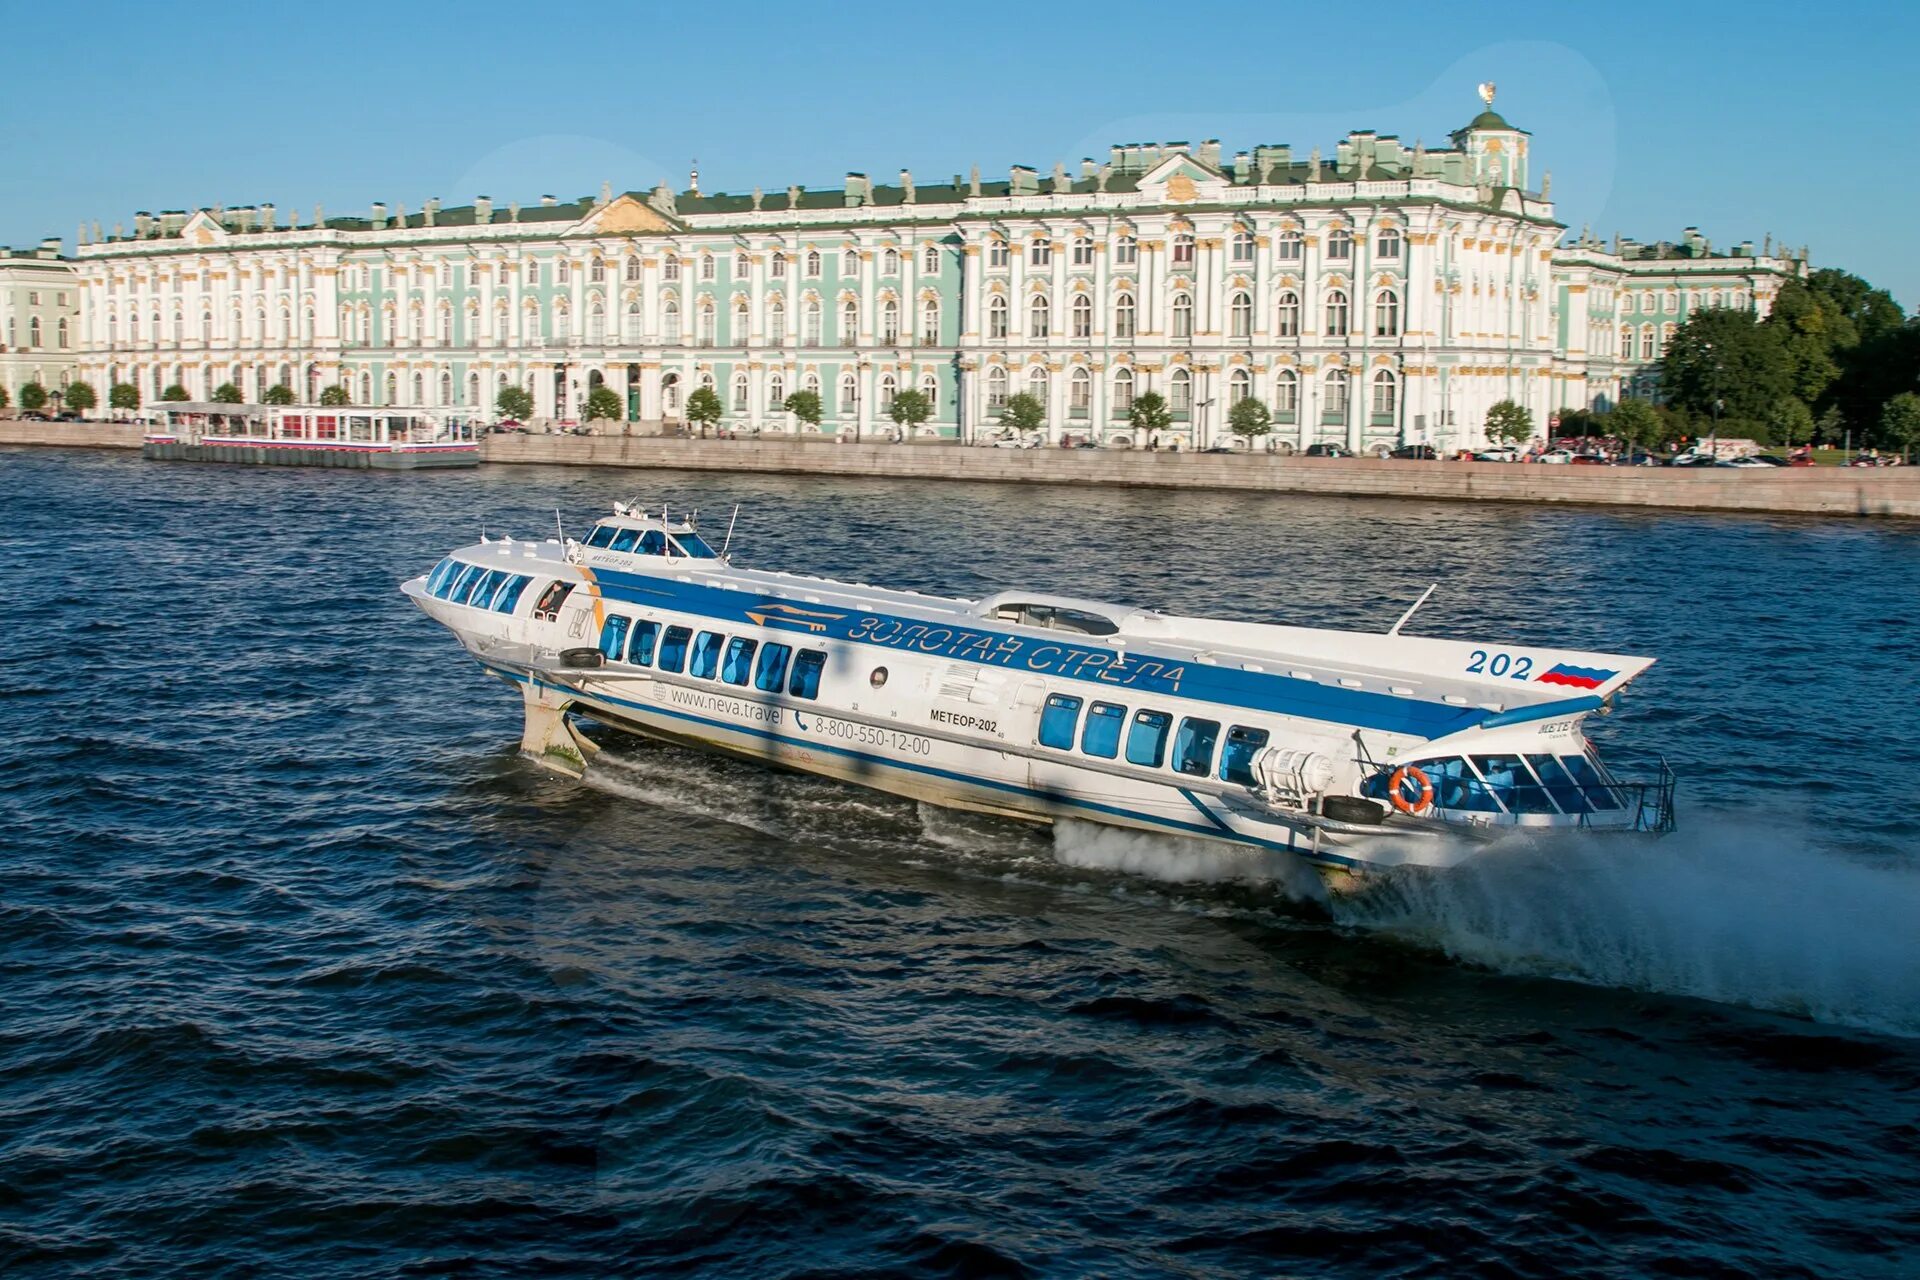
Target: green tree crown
x=80, y=397
x=1149, y=412
x=33, y=397
x=123, y=395
x=335, y=397
x=514, y=402
x=804, y=405
x=703, y=407
x=279, y=394
x=227, y=393
x=605, y=403
x=1024, y=412
x=1249, y=418
x=910, y=408
x=1900, y=422
x=1509, y=423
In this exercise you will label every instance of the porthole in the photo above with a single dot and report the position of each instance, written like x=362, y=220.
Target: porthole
x=878, y=678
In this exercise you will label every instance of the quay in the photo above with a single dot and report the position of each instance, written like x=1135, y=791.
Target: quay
x=1824, y=491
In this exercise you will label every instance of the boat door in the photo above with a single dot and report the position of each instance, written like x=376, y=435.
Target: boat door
x=1023, y=725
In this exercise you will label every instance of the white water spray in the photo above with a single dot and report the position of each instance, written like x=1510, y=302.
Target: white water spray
x=1181, y=860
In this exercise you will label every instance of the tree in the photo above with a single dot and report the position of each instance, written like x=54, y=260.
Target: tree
x=279, y=394
x=604, y=402
x=1509, y=423
x=1900, y=422
x=804, y=405
x=335, y=397
x=1725, y=364
x=1148, y=415
x=33, y=397
x=123, y=395
x=909, y=409
x=1831, y=427
x=1249, y=418
x=514, y=402
x=703, y=408
x=1636, y=422
x=1024, y=412
x=4, y=401
x=1789, y=421
x=227, y=393
x=174, y=394
x=80, y=397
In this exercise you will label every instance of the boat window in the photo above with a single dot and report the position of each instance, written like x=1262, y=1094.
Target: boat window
x=1147, y=739
x=1193, y=746
x=1593, y=783
x=492, y=600
x=1058, y=720
x=653, y=543
x=673, y=648
x=509, y=597
x=437, y=580
x=489, y=582
x=548, y=605
x=1514, y=784
x=1236, y=762
x=739, y=662
x=1565, y=792
x=772, y=673
x=478, y=589
x=706, y=655
x=613, y=636
x=806, y=673
x=640, y=649
x=1455, y=787
x=1101, y=737
x=694, y=545
x=624, y=540
x=463, y=583
x=602, y=536
x=1056, y=618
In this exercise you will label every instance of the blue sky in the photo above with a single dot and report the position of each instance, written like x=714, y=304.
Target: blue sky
x=1741, y=119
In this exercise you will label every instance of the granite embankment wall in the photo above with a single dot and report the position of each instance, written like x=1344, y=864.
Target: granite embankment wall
x=1892, y=491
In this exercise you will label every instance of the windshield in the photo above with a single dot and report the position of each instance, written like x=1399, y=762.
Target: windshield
x=694, y=545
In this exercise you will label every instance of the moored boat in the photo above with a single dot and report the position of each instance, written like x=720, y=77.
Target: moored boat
x=380, y=439
x=1354, y=750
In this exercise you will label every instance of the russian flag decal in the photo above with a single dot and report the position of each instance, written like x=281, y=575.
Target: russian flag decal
x=1577, y=677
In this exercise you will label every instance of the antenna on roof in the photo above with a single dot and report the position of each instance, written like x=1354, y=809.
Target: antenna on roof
x=1394, y=630
x=558, y=527
x=729, y=538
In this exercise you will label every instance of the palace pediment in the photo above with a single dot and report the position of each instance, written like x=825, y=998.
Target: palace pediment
x=625, y=216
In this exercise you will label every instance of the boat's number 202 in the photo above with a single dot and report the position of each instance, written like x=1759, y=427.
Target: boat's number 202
x=1515, y=665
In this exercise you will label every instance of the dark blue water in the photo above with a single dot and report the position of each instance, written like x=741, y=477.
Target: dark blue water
x=304, y=973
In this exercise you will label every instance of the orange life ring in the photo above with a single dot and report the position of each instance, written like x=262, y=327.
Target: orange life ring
x=1397, y=794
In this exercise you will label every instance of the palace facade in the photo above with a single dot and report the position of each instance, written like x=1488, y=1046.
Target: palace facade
x=1378, y=295
x=39, y=320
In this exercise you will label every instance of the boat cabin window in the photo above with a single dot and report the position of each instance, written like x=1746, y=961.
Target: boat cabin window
x=437, y=580
x=483, y=588
x=508, y=597
x=653, y=543
x=1514, y=784
x=1147, y=738
x=613, y=636
x=706, y=655
x=1243, y=746
x=463, y=583
x=806, y=673
x=547, y=607
x=692, y=544
x=1101, y=736
x=739, y=660
x=1058, y=720
x=1565, y=791
x=1056, y=618
x=1586, y=772
x=624, y=539
x=640, y=648
x=602, y=535
x=1193, y=746
x=771, y=674
x=673, y=648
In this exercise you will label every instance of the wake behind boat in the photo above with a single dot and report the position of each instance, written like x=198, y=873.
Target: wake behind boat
x=1351, y=749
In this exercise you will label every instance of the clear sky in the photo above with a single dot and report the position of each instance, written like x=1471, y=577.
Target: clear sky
x=1740, y=118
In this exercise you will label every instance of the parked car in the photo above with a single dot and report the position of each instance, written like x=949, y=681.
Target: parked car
x=34, y=416
x=1590, y=460
x=1417, y=452
x=1745, y=464
x=1497, y=453
x=1556, y=457
x=1771, y=459
x=1692, y=460
x=1637, y=459
x=1328, y=451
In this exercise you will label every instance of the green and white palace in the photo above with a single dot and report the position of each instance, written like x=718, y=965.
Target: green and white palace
x=1378, y=295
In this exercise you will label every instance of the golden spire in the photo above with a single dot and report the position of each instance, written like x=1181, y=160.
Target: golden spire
x=1486, y=92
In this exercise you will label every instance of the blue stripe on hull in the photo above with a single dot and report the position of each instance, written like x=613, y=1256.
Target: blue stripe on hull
x=1215, y=829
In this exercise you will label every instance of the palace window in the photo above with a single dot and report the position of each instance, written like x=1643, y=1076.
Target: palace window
x=890, y=263
x=563, y=273
x=849, y=262
x=997, y=387
x=997, y=317
x=1337, y=314
x=597, y=271
x=1038, y=315
x=446, y=274
x=742, y=325
x=631, y=328
x=777, y=266
x=1386, y=394
x=776, y=322
x=1124, y=316
x=1080, y=393
x=1180, y=393
x=1243, y=245
x=889, y=321
x=1182, y=315
x=633, y=270
x=446, y=326
x=706, y=266
x=1239, y=386
x=1335, y=404
x=1646, y=342
x=997, y=253
x=1289, y=247
x=930, y=261
x=1082, y=251
x=849, y=323
x=1040, y=253
x=1126, y=251
x=1386, y=245
x=1339, y=244
x=1386, y=314
x=703, y=323
x=1240, y=315
x=776, y=393
x=33, y=331
x=1122, y=392
x=887, y=388
x=1183, y=249
x=446, y=387
x=811, y=319
x=1037, y=383
x=1286, y=394
x=670, y=268
x=813, y=264
x=849, y=393
x=930, y=323
x=739, y=393
x=1082, y=316
x=1287, y=315
x=670, y=321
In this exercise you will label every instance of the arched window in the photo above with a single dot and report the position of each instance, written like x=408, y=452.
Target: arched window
x=670, y=321
x=997, y=387
x=562, y=321
x=33, y=331
x=113, y=326
x=419, y=388
x=630, y=328
x=596, y=273
x=133, y=327
x=997, y=317
x=705, y=322
x=596, y=321
x=473, y=390
x=1386, y=314
x=776, y=322
x=392, y=389
x=1182, y=315
x=1122, y=392
x=890, y=321
x=1625, y=348
x=1040, y=253
x=446, y=325
x=1339, y=244
x=777, y=266
x=1240, y=315
x=446, y=388
x=887, y=388
x=1286, y=320
x=930, y=388
x=997, y=252
x=849, y=262
x=1183, y=249
x=1239, y=386
x=1039, y=313
x=1126, y=251
x=739, y=393
x=669, y=393
x=632, y=272
x=930, y=323
x=930, y=261
x=1289, y=247
x=813, y=264
x=1286, y=394
x=890, y=263
x=1646, y=342
x=1242, y=245
x=1337, y=314
x=1037, y=383
x=1082, y=316
x=706, y=266
x=1386, y=245
x=849, y=393
x=849, y=323
x=1335, y=403
x=1124, y=316
x=776, y=393
x=563, y=271
x=206, y=328
x=366, y=388
x=1386, y=394
x=742, y=323
x=1180, y=393
x=812, y=320
x=1080, y=393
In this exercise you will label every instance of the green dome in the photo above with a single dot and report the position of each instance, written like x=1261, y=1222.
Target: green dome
x=1491, y=119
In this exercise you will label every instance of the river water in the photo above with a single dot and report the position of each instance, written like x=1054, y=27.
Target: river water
x=306, y=974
